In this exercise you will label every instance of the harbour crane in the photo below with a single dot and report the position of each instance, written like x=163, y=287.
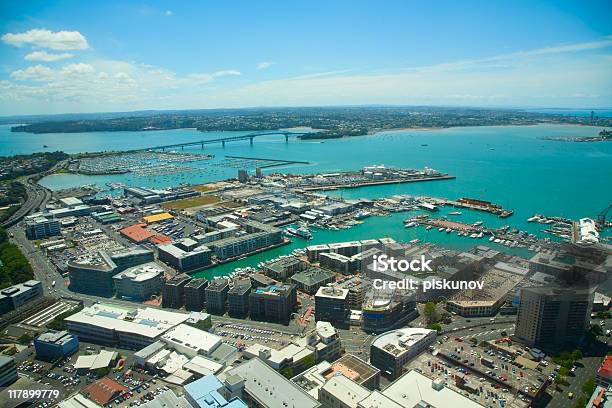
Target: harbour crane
x=601, y=218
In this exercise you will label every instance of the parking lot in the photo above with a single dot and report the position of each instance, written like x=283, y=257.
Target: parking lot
x=243, y=335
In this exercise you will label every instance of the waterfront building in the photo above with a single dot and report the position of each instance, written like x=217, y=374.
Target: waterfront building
x=390, y=351
x=39, y=227
x=139, y=282
x=216, y=296
x=311, y=279
x=331, y=305
x=195, y=294
x=259, y=281
x=284, y=268
x=18, y=295
x=238, y=298
x=183, y=260
x=53, y=345
x=337, y=263
x=8, y=371
x=259, y=235
x=116, y=326
x=273, y=303
x=173, y=291
x=549, y=316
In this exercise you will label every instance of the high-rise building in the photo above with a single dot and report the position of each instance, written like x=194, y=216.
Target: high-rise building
x=195, y=294
x=331, y=305
x=238, y=298
x=216, y=296
x=273, y=303
x=41, y=227
x=553, y=316
x=173, y=291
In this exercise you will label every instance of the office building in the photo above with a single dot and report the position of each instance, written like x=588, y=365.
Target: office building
x=39, y=227
x=18, y=295
x=384, y=312
x=312, y=279
x=342, y=392
x=260, y=386
x=549, y=316
x=195, y=294
x=238, y=298
x=53, y=345
x=173, y=291
x=8, y=371
x=210, y=392
x=331, y=305
x=216, y=296
x=139, y=282
x=273, y=303
x=390, y=351
x=117, y=326
x=183, y=260
x=190, y=341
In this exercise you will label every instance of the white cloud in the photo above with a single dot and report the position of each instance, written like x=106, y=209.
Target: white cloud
x=168, y=12
x=44, y=56
x=575, y=75
x=42, y=38
x=264, y=65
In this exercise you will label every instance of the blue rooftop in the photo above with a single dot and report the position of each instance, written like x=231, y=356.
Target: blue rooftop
x=205, y=392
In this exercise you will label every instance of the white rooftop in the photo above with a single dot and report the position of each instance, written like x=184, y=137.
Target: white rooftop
x=401, y=340
x=146, y=322
x=187, y=337
x=412, y=388
x=346, y=390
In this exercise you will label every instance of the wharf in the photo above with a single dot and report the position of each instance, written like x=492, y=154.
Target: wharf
x=376, y=183
x=472, y=204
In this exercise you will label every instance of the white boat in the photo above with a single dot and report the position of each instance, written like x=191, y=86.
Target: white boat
x=428, y=227
x=411, y=224
x=441, y=229
x=455, y=213
x=477, y=223
x=491, y=239
x=448, y=230
x=497, y=240
x=480, y=235
x=473, y=235
x=415, y=241
x=534, y=218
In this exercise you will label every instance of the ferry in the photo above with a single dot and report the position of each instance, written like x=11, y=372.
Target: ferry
x=455, y=213
x=301, y=232
x=362, y=214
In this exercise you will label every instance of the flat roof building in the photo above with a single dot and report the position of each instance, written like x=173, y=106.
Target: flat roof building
x=195, y=294
x=390, y=351
x=184, y=260
x=54, y=345
x=117, y=326
x=312, y=279
x=331, y=305
x=139, y=282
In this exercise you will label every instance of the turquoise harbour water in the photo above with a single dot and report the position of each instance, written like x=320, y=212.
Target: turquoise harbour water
x=508, y=165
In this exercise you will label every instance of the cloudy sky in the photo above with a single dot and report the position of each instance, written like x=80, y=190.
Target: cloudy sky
x=75, y=56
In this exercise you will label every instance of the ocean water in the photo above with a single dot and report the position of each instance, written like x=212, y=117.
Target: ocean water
x=508, y=165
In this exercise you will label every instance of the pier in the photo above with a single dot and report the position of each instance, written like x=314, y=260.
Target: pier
x=250, y=137
x=377, y=183
x=272, y=162
x=472, y=204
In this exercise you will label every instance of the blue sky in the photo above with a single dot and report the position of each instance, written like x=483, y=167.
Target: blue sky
x=75, y=56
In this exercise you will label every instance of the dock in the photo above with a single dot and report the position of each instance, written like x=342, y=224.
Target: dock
x=472, y=204
x=377, y=183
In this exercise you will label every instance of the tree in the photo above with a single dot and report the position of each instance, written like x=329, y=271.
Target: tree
x=596, y=330
x=589, y=386
x=25, y=338
x=577, y=355
x=431, y=313
x=435, y=326
x=563, y=371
